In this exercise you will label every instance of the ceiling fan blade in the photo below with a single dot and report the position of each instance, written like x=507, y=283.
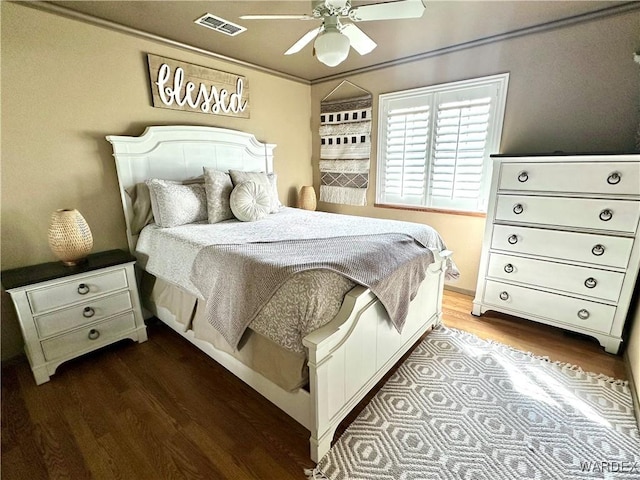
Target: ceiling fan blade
x=387, y=11
x=360, y=41
x=277, y=17
x=306, y=39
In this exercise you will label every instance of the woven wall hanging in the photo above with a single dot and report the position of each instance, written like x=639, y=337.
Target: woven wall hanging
x=345, y=147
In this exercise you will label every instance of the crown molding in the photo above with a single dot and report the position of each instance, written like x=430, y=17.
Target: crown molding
x=543, y=27
x=99, y=22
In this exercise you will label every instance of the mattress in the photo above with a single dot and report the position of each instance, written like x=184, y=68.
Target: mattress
x=306, y=301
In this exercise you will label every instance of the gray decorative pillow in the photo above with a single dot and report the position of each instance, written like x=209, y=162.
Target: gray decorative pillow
x=250, y=201
x=261, y=178
x=175, y=204
x=141, y=205
x=218, y=187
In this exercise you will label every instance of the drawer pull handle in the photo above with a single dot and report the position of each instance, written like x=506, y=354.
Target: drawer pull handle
x=614, y=178
x=606, y=215
x=598, y=250
x=518, y=208
x=83, y=289
x=583, y=314
x=508, y=268
x=590, y=282
x=523, y=177
x=504, y=296
x=93, y=334
x=88, y=312
x=513, y=239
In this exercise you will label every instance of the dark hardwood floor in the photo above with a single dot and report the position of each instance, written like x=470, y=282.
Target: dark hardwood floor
x=164, y=410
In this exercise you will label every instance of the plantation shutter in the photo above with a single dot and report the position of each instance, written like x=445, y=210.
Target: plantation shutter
x=459, y=150
x=434, y=144
x=405, y=152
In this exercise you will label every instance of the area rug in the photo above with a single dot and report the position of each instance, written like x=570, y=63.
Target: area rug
x=464, y=408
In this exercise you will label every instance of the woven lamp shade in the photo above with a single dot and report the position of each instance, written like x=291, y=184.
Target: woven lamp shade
x=307, y=198
x=70, y=238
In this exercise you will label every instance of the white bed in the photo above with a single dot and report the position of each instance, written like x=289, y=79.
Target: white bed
x=348, y=355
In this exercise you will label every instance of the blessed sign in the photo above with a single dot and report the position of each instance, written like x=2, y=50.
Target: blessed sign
x=184, y=86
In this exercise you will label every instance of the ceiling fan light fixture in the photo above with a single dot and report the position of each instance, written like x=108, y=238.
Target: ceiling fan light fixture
x=335, y=4
x=332, y=47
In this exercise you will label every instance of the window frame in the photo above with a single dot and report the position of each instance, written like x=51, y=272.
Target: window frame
x=494, y=135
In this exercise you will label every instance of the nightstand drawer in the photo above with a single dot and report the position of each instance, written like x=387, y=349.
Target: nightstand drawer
x=77, y=290
x=85, y=339
x=582, y=247
x=559, y=308
x=614, y=178
x=586, y=281
x=89, y=312
x=614, y=215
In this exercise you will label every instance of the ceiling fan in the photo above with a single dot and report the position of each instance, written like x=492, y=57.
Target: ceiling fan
x=332, y=38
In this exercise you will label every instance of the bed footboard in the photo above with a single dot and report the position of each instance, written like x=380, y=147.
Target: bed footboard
x=349, y=355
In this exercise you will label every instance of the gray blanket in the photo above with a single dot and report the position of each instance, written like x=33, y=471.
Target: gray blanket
x=238, y=280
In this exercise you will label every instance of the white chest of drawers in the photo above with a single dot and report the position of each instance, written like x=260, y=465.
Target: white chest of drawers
x=562, y=242
x=65, y=312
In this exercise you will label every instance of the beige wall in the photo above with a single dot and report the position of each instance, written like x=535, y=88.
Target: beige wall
x=572, y=89
x=67, y=84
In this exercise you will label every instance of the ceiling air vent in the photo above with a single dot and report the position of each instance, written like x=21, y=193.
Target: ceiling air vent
x=220, y=24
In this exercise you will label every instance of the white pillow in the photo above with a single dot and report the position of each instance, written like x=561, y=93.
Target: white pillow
x=269, y=181
x=250, y=202
x=174, y=204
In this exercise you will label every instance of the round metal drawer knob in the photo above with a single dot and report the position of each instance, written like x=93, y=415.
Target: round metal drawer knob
x=504, y=296
x=583, y=314
x=508, y=268
x=598, y=250
x=614, y=178
x=606, y=215
x=523, y=177
x=93, y=334
x=83, y=289
x=513, y=239
x=590, y=282
x=518, y=208
x=88, y=312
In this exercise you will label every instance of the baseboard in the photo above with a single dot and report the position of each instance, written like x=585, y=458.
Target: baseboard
x=464, y=291
x=633, y=386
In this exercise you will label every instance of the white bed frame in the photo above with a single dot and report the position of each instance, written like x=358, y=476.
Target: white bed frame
x=347, y=356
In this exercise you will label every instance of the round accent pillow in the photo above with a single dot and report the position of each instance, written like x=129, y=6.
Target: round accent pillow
x=250, y=202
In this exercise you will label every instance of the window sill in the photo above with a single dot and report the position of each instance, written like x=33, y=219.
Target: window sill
x=432, y=210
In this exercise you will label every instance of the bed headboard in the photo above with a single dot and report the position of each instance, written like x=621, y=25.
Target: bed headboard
x=180, y=153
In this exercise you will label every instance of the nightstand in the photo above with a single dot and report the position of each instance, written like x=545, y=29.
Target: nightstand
x=66, y=311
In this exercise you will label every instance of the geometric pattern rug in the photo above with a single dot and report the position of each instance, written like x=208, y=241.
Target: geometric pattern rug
x=465, y=408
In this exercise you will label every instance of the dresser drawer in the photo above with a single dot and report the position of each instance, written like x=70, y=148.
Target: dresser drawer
x=567, y=310
x=86, y=338
x=602, y=250
x=570, y=278
x=77, y=290
x=614, y=215
x=615, y=178
x=84, y=313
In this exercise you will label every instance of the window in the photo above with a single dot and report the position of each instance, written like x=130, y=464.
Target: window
x=434, y=144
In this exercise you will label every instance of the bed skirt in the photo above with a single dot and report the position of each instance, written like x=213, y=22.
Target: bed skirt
x=283, y=367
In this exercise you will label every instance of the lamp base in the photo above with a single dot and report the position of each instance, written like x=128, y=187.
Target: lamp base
x=73, y=263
